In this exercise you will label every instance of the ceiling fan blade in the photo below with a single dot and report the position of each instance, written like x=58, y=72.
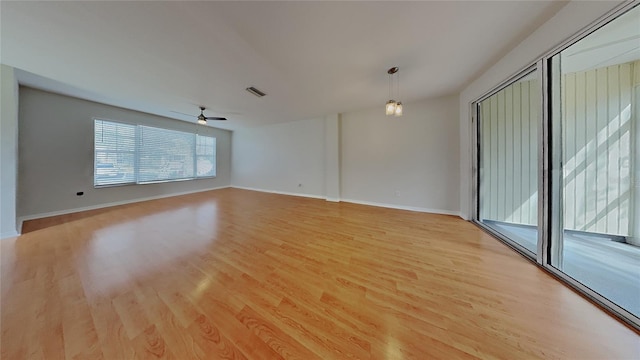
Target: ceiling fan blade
x=215, y=118
x=178, y=112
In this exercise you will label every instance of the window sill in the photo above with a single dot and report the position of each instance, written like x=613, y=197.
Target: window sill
x=152, y=182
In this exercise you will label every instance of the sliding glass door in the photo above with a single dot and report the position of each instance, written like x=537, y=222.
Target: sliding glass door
x=597, y=92
x=558, y=162
x=508, y=123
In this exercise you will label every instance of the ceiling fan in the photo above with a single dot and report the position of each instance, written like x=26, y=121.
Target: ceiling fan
x=203, y=119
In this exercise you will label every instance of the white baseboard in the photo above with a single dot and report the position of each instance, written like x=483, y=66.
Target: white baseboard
x=402, y=207
x=370, y=203
x=8, y=234
x=106, y=205
x=279, y=192
x=124, y=202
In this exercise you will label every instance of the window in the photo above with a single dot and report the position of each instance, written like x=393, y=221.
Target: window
x=165, y=155
x=205, y=156
x=115, y=153
x=136, y=154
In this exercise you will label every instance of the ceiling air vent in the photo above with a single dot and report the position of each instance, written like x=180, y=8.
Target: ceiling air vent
x=255, y=91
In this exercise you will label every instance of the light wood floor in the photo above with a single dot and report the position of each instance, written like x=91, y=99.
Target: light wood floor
x=239, y=274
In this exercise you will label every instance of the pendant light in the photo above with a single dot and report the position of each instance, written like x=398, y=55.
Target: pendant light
x=394, y=107
x=398, y=111
x=391, y=107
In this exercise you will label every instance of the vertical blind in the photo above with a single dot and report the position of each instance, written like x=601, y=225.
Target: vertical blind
x=142, y=154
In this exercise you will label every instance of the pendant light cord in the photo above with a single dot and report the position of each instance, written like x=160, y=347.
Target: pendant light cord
x=398, y=84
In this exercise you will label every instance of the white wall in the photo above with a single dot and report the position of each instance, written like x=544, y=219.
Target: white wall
x=509, y=154
x=56, y=155
x=360, y=156
x=288, y=158
x=408, y=162
x=597, y=115
x=8, y=150
x=568, y=21
x=332, y=157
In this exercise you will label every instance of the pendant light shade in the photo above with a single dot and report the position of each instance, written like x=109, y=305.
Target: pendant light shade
x=398, y=109
x=393, y=107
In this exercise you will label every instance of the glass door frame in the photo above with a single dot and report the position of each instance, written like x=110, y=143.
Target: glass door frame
x=476, y=121
x=550, y=211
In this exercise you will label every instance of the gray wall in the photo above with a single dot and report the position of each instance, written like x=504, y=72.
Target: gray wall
x=56, y=155
x=9, y=150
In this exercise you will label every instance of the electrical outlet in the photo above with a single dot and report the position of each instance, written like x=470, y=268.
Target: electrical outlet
x=397, y=193
x=300, y=185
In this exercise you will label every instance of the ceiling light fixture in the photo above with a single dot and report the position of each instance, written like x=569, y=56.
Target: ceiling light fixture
x=202, y=120
x=394, y=107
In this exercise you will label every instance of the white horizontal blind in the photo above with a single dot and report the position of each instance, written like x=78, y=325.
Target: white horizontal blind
x=142, y=154
x=115, y=150
x=205, y=156
x=165, y=155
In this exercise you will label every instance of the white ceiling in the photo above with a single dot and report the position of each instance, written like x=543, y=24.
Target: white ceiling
x=311, y=58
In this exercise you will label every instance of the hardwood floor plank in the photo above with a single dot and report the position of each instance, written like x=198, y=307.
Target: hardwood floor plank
x=243, y=337
x=355, y=346
x=237, y=274
x=208, y=338
x=151, y=345
x=114, y=341
x=79, y=332
x=274, y=337
x=131, y=314
x=169, y=327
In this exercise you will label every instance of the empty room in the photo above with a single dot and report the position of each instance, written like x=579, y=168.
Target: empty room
x=320, y=179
